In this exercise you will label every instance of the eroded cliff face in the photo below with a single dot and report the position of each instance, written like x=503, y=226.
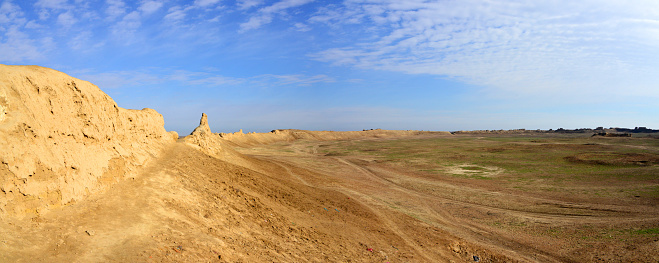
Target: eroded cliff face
x=62, y=138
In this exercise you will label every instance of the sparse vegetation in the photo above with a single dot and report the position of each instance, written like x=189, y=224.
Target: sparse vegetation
x=648, y=231
x=546, y=163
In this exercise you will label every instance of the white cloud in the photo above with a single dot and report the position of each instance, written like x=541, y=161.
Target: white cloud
x=52, y=4
x=115, y=9
x=518, y=46
x=43, y=14
x=47, y=44
x=33, y=25
x=327, y=14
x=126, y=28
x=265, y=14
x=121, y=79
x=214, y=81
x=301, y=27
x=66, y=19
x=80, y=41
x=10, y=13
x=283, y=5
x=214, y=19
x=175, y=14
x=205, y=3
x=247, y=4
x=148, y=7
x=18, y=46
x=293, y=79
x=201, y=78
x=255, y=22
x=210, y=78
x=340, y=56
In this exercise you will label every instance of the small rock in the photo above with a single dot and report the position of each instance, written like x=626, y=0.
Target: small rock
x=456, y=248
x=90, y=232
x=476, y=258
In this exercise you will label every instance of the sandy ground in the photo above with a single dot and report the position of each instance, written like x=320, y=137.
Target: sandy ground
x=292, y=203
x=190, y=207
x=537, y=226
x=83, y=180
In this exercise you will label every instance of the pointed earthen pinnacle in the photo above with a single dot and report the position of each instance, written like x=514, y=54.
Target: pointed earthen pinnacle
x=203, y=126
x=204, y=120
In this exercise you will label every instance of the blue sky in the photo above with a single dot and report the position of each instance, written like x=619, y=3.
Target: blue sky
x=259, y=65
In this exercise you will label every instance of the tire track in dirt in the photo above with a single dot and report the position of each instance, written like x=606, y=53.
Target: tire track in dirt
x=527, y=214
x=409, y=241
x=459, y=227
x=367, y=202
x=444, y=221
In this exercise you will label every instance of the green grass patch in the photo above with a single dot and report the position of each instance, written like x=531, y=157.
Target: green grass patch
x=648, y=231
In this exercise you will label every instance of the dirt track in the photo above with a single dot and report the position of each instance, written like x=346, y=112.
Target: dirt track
x=290, y=203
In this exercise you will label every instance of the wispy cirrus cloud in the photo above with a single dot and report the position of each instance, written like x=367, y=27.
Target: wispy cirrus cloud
x=205, y=3
x=114, y=9
x=175, y=14
x=265, y=14
x=202, y=78
x=53, y=4
x=153, y=76
x=511, y=45
x=120, y=79
x=66, y=19
x=149, y=7
x=16, y=46
x=10, y=13
x=294, y=79
x=127, y=27
x=247, y=4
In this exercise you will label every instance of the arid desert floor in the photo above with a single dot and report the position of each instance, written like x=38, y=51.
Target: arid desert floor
x=422, y=198
x=83, y=180
x=530, y=198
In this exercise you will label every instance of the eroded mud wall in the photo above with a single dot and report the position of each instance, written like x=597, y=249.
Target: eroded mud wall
x=62, y=138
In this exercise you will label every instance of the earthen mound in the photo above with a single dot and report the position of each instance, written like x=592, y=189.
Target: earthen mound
x=63, y=138
x=203, y=139
x=247, y=139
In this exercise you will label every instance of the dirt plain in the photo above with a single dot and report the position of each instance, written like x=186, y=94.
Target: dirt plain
x=423, y=198
x=563, y=198
x=83, y=180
